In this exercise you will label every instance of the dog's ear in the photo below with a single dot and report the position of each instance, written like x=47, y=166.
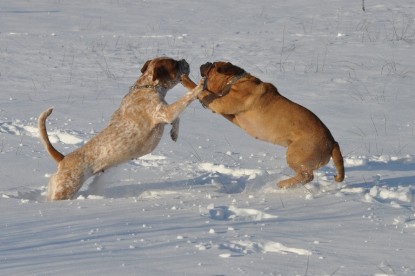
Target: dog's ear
x=145, y=66
x=160, y=72
x=230, y=69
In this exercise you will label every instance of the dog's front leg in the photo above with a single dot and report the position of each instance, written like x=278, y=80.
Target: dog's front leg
x=226, y=105
x=168, y=113
x=187, y=82
x=174, y=132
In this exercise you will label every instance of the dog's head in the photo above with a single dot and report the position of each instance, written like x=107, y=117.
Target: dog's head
x=219, y=75
x=165, y=71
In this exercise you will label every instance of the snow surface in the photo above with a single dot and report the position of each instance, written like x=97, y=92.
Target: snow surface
x=208, y=204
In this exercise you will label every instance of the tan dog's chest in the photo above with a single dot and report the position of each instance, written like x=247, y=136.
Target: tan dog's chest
x=140, y=136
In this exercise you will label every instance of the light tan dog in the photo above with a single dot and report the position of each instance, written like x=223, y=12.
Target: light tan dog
x=259, y=109
x=134, y=130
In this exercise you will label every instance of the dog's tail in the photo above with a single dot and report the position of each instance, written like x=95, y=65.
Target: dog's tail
x=45, y=138
x=337, y=157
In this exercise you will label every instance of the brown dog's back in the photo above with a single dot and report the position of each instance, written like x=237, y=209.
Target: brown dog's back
x=262, y=112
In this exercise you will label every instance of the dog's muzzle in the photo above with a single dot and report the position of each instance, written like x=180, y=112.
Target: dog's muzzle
x=184, y=67
x=205, y=68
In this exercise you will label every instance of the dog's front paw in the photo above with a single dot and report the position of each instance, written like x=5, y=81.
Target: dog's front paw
x=200, y=87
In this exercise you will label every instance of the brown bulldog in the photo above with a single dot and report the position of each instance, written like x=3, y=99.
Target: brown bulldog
x=134, y=130
x=258, y=108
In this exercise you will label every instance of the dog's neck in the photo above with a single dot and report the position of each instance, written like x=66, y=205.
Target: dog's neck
x=236, y=78
x=231, y=82
x=144, y=82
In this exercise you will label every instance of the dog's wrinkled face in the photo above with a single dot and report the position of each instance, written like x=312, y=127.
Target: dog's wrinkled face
x=165, y=71
x=218, y=75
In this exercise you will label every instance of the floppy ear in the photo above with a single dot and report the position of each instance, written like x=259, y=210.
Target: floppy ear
x=230, y=69
x=145, y=66
x=160, y=73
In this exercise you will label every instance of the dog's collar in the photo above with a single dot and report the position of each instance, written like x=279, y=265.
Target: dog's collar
x=236, y=78
x=144, y=86
x=231, y=82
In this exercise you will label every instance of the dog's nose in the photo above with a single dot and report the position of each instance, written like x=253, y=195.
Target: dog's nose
x=185, y=68
x=204, y=68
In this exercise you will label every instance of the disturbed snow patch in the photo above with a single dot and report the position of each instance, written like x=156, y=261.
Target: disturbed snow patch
x=234, y=213
x=19, y=129
x=235, y=172
x=244, y=247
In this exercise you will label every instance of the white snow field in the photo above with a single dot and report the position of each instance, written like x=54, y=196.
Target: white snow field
x=208, y=204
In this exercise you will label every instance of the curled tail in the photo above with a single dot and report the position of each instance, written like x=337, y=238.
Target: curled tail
x=45, y=138
x=337, y=157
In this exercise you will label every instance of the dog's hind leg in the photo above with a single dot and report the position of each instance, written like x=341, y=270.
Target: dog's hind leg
x=64, y=184
x=304, y=157
x=301, y=177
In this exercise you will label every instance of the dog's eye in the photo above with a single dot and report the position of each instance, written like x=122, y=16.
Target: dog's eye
x=219, y=70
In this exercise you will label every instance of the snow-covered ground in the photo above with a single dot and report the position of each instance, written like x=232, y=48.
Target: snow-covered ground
x=208, y=204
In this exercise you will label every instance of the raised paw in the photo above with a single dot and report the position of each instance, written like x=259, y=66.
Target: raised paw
x=187, y=82
x=199, y=88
